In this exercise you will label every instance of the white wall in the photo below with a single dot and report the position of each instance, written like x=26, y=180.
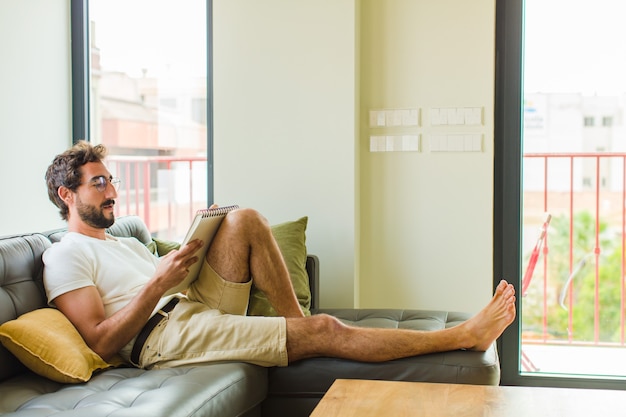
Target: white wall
x=294, y=82
x=426, y=230
x=284, y=75
x=35, y=108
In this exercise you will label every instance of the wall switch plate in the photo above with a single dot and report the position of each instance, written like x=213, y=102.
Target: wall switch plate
x=395, y=143
x=394, y=117
x=471, y=142
x=455, y=116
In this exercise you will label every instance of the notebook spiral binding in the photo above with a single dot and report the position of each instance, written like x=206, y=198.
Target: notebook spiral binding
x=218, y=211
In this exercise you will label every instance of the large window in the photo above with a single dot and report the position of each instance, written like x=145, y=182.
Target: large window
x=141, y=80
x=559, y=150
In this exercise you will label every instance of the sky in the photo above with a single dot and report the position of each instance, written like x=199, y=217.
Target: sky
x=570, y=45
x=575, y=46
x=163, y=36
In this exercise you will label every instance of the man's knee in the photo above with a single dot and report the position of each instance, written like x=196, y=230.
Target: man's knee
x=312, y=336
x=325, y=324
x=246, y=219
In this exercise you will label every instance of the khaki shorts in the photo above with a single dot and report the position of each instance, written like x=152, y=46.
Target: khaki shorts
x=210, y=325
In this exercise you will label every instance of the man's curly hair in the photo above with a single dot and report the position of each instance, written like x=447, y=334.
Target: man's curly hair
x=65, y=170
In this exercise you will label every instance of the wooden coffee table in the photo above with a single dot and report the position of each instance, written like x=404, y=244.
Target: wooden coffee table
x=347, y=398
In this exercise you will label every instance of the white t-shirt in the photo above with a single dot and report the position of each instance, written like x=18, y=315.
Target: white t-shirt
x=117, y=267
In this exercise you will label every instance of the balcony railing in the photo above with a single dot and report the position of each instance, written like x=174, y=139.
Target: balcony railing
x=165, y=191
x=577, y=295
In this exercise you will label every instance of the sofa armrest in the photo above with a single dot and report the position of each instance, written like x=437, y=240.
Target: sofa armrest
x=313, y=270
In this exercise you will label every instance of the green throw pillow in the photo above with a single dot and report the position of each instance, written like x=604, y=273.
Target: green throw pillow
x=291, y=240
x=163, y=247
x=152, y=247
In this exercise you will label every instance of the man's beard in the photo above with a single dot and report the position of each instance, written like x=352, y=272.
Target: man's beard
x=94, y=216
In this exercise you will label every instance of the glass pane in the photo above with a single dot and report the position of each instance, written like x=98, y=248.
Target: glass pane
x=148, y=105
x=573, y=299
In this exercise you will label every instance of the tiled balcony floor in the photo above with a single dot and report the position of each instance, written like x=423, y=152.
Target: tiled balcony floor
x=577, y=360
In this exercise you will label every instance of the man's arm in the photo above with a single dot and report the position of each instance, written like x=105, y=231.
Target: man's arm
x=107, y=336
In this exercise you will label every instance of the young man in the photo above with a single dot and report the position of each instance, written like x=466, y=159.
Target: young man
x=112, y=289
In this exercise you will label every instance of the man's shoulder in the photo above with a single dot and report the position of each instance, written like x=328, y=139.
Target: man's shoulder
x=70, y=239
x=67, y=246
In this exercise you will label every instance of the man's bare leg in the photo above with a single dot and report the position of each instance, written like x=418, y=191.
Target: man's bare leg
x=244, y=248
x=326, y=336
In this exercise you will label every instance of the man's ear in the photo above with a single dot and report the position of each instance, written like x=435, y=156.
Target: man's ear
x=65, y=194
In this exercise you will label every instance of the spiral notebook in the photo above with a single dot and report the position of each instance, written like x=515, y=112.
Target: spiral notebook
x=204, y=226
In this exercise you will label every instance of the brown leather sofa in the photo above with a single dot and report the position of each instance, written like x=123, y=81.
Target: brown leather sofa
x=218, y=389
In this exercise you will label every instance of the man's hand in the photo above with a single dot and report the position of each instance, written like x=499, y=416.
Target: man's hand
x=174, y=266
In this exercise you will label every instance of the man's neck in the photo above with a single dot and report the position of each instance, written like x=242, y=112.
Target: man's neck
x=84, y=229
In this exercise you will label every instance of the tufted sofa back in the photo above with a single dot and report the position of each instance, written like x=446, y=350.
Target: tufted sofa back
x=21, y=285
x=21, y=275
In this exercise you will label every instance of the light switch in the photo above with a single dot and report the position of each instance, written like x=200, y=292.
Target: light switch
x=434, y=117
x=455, y=143
x=475, y=116
x=468, y=143
x=380, y=118
x=452, y=117
x=469, y=114
x=443, y=116
x=410, y=143
x=460, y=116
x=477, y=143
x=410, y=117
x=388, y=143
x=396, y=118
x=438, y=143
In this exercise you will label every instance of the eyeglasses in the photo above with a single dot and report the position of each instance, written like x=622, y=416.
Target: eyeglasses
x=101, y=183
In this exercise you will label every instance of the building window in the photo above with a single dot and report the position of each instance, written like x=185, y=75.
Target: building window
x=589, y=121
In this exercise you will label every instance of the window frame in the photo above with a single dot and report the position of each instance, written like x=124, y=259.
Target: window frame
x=80, y=51
x=508, y=153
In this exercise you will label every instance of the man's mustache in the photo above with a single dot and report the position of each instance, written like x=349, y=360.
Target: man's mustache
x=108, y=203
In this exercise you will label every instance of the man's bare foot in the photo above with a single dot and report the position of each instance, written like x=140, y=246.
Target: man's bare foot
x=486, y=326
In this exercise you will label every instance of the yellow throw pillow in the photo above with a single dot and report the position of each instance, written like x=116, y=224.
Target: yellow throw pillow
x=47, y=343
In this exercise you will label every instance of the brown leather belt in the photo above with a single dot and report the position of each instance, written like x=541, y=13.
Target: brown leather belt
x=148, y=327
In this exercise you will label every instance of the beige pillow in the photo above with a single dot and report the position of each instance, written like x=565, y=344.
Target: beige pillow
x=291, y=239
x=47, y=343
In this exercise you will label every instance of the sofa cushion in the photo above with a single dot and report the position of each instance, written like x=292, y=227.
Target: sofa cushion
x=48, y=344
x=291, y=239
x=221, y=389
